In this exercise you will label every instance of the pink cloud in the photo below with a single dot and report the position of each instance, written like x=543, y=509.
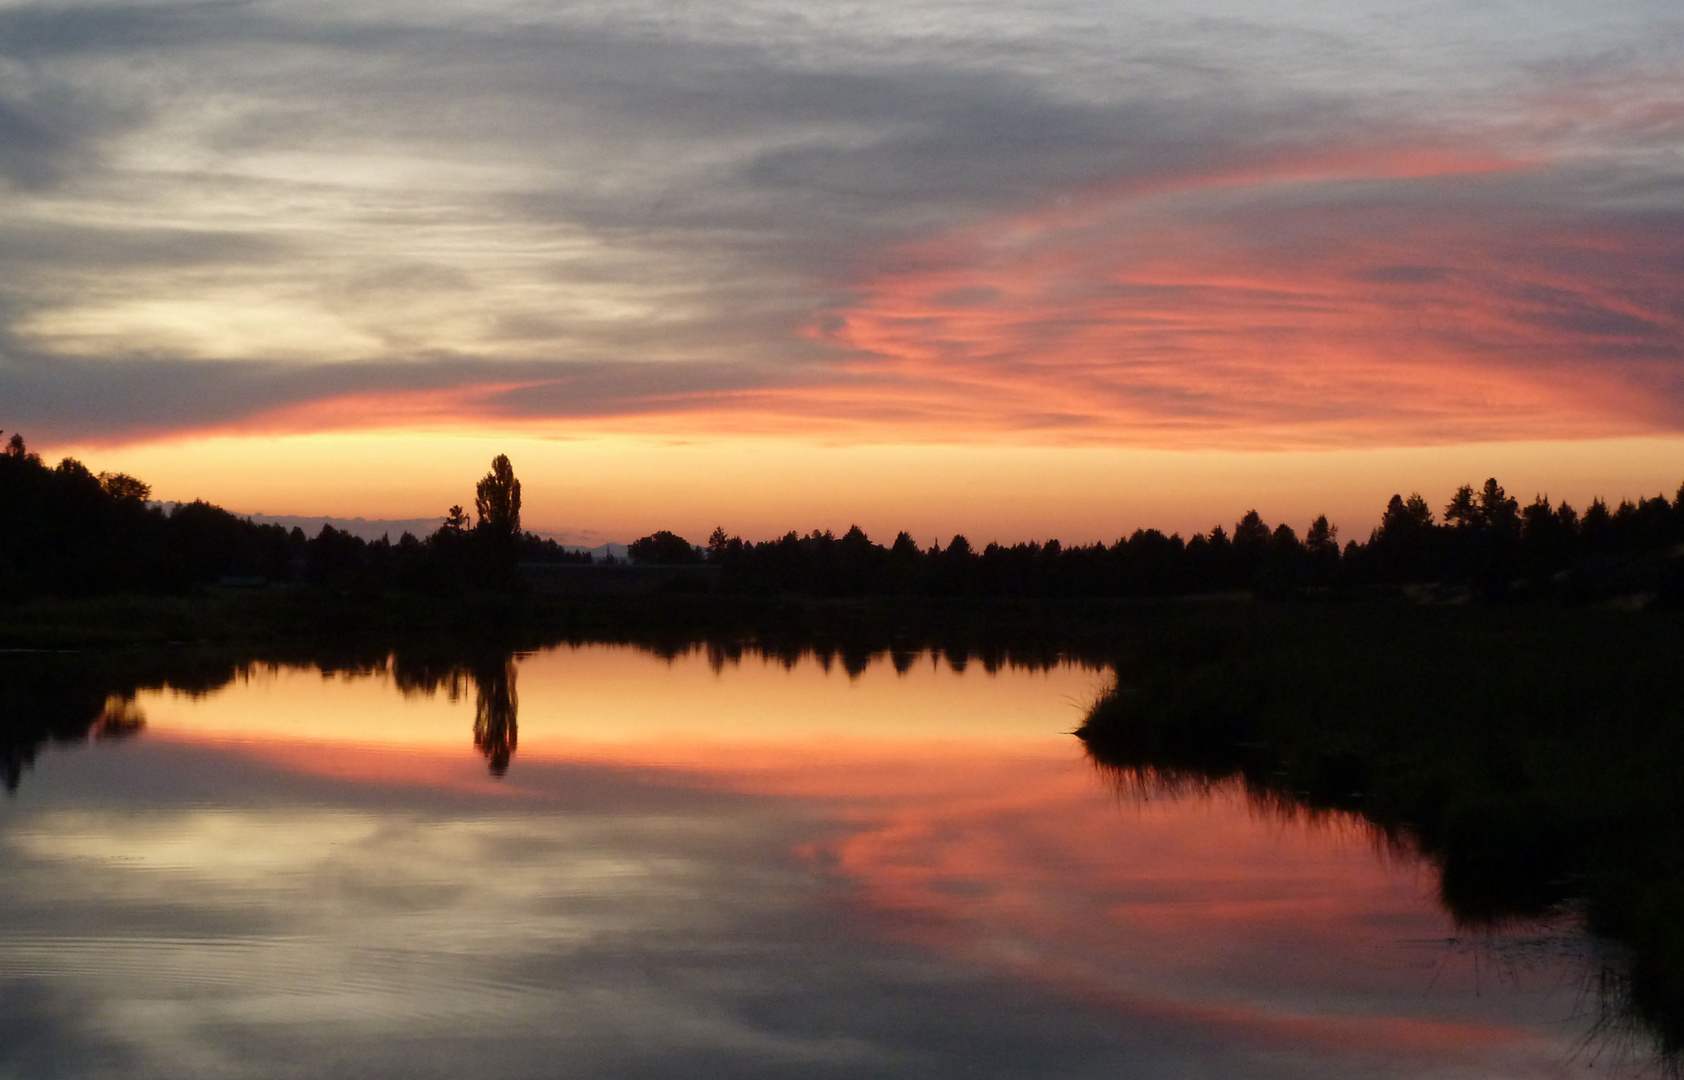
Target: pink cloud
x=1339, y=299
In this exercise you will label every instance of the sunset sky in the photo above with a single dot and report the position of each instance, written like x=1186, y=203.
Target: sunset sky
x=1018, y=270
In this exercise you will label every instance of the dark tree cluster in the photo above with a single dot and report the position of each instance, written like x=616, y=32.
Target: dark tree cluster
x=70, y=532
x=1489, y=542
x=1145, y=564
x=1486, y=542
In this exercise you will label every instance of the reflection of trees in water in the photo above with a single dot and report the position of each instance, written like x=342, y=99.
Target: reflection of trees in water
x=62, y=697
x=120, y=719
x=495, y=707
x=47, y=698
x=65, y=719
x=67, y=698
x=491, y=675
x=855, y=655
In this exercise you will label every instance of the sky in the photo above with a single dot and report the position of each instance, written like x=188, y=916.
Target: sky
x=1018, y=270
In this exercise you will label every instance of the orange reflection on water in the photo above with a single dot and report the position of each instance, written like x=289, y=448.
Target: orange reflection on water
x=620, y=703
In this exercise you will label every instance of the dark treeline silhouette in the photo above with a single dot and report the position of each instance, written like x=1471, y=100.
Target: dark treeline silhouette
x=1486, y=542
x=1532, y=757
x=68, y=531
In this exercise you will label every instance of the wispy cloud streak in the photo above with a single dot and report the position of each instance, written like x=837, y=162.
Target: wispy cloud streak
x=1083, y=222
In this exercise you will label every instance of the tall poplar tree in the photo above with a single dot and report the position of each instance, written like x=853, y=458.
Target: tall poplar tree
x=497, y=500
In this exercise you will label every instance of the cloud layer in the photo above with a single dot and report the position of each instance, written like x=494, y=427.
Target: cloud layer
x=1086, y=222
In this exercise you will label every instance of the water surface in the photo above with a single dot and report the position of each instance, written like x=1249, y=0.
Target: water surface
x=595, y=861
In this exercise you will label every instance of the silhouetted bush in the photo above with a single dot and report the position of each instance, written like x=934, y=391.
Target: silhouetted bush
x=663, y=549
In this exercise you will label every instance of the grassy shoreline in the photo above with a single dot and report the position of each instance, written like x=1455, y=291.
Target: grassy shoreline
x=302, y=620
x=1110, y=630
x=1532, y=755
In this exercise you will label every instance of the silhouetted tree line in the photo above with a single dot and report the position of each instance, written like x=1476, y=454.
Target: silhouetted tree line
x=69, y=531
x=1485, y=542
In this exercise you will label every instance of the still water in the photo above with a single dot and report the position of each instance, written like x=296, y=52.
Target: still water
x=596, y=861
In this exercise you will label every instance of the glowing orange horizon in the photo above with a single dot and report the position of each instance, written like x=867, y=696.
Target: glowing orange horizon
x=617, y=488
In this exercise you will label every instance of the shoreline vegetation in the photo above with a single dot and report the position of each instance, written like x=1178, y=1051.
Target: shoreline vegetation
x=1531, y=755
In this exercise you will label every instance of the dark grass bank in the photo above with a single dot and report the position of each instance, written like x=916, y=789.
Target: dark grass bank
x=1535, y=756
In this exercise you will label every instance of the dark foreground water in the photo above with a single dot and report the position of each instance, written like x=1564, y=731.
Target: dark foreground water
x=598, y=862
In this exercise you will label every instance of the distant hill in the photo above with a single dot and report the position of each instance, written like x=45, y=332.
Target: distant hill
x=363, y=528
x=375, y=528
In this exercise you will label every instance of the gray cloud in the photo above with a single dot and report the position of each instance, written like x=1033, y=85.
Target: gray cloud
x=49, y=130
x=220, y=208
x=132, y=397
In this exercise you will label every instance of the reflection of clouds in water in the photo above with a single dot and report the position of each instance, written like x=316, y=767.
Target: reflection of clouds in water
x=352, y=926
x=997, y=915
x=1262, y=931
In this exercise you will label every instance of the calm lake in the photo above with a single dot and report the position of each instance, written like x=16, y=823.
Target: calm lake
x=597, y=861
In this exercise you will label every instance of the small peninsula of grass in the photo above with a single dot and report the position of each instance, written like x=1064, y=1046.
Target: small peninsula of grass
x=1533, y=755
